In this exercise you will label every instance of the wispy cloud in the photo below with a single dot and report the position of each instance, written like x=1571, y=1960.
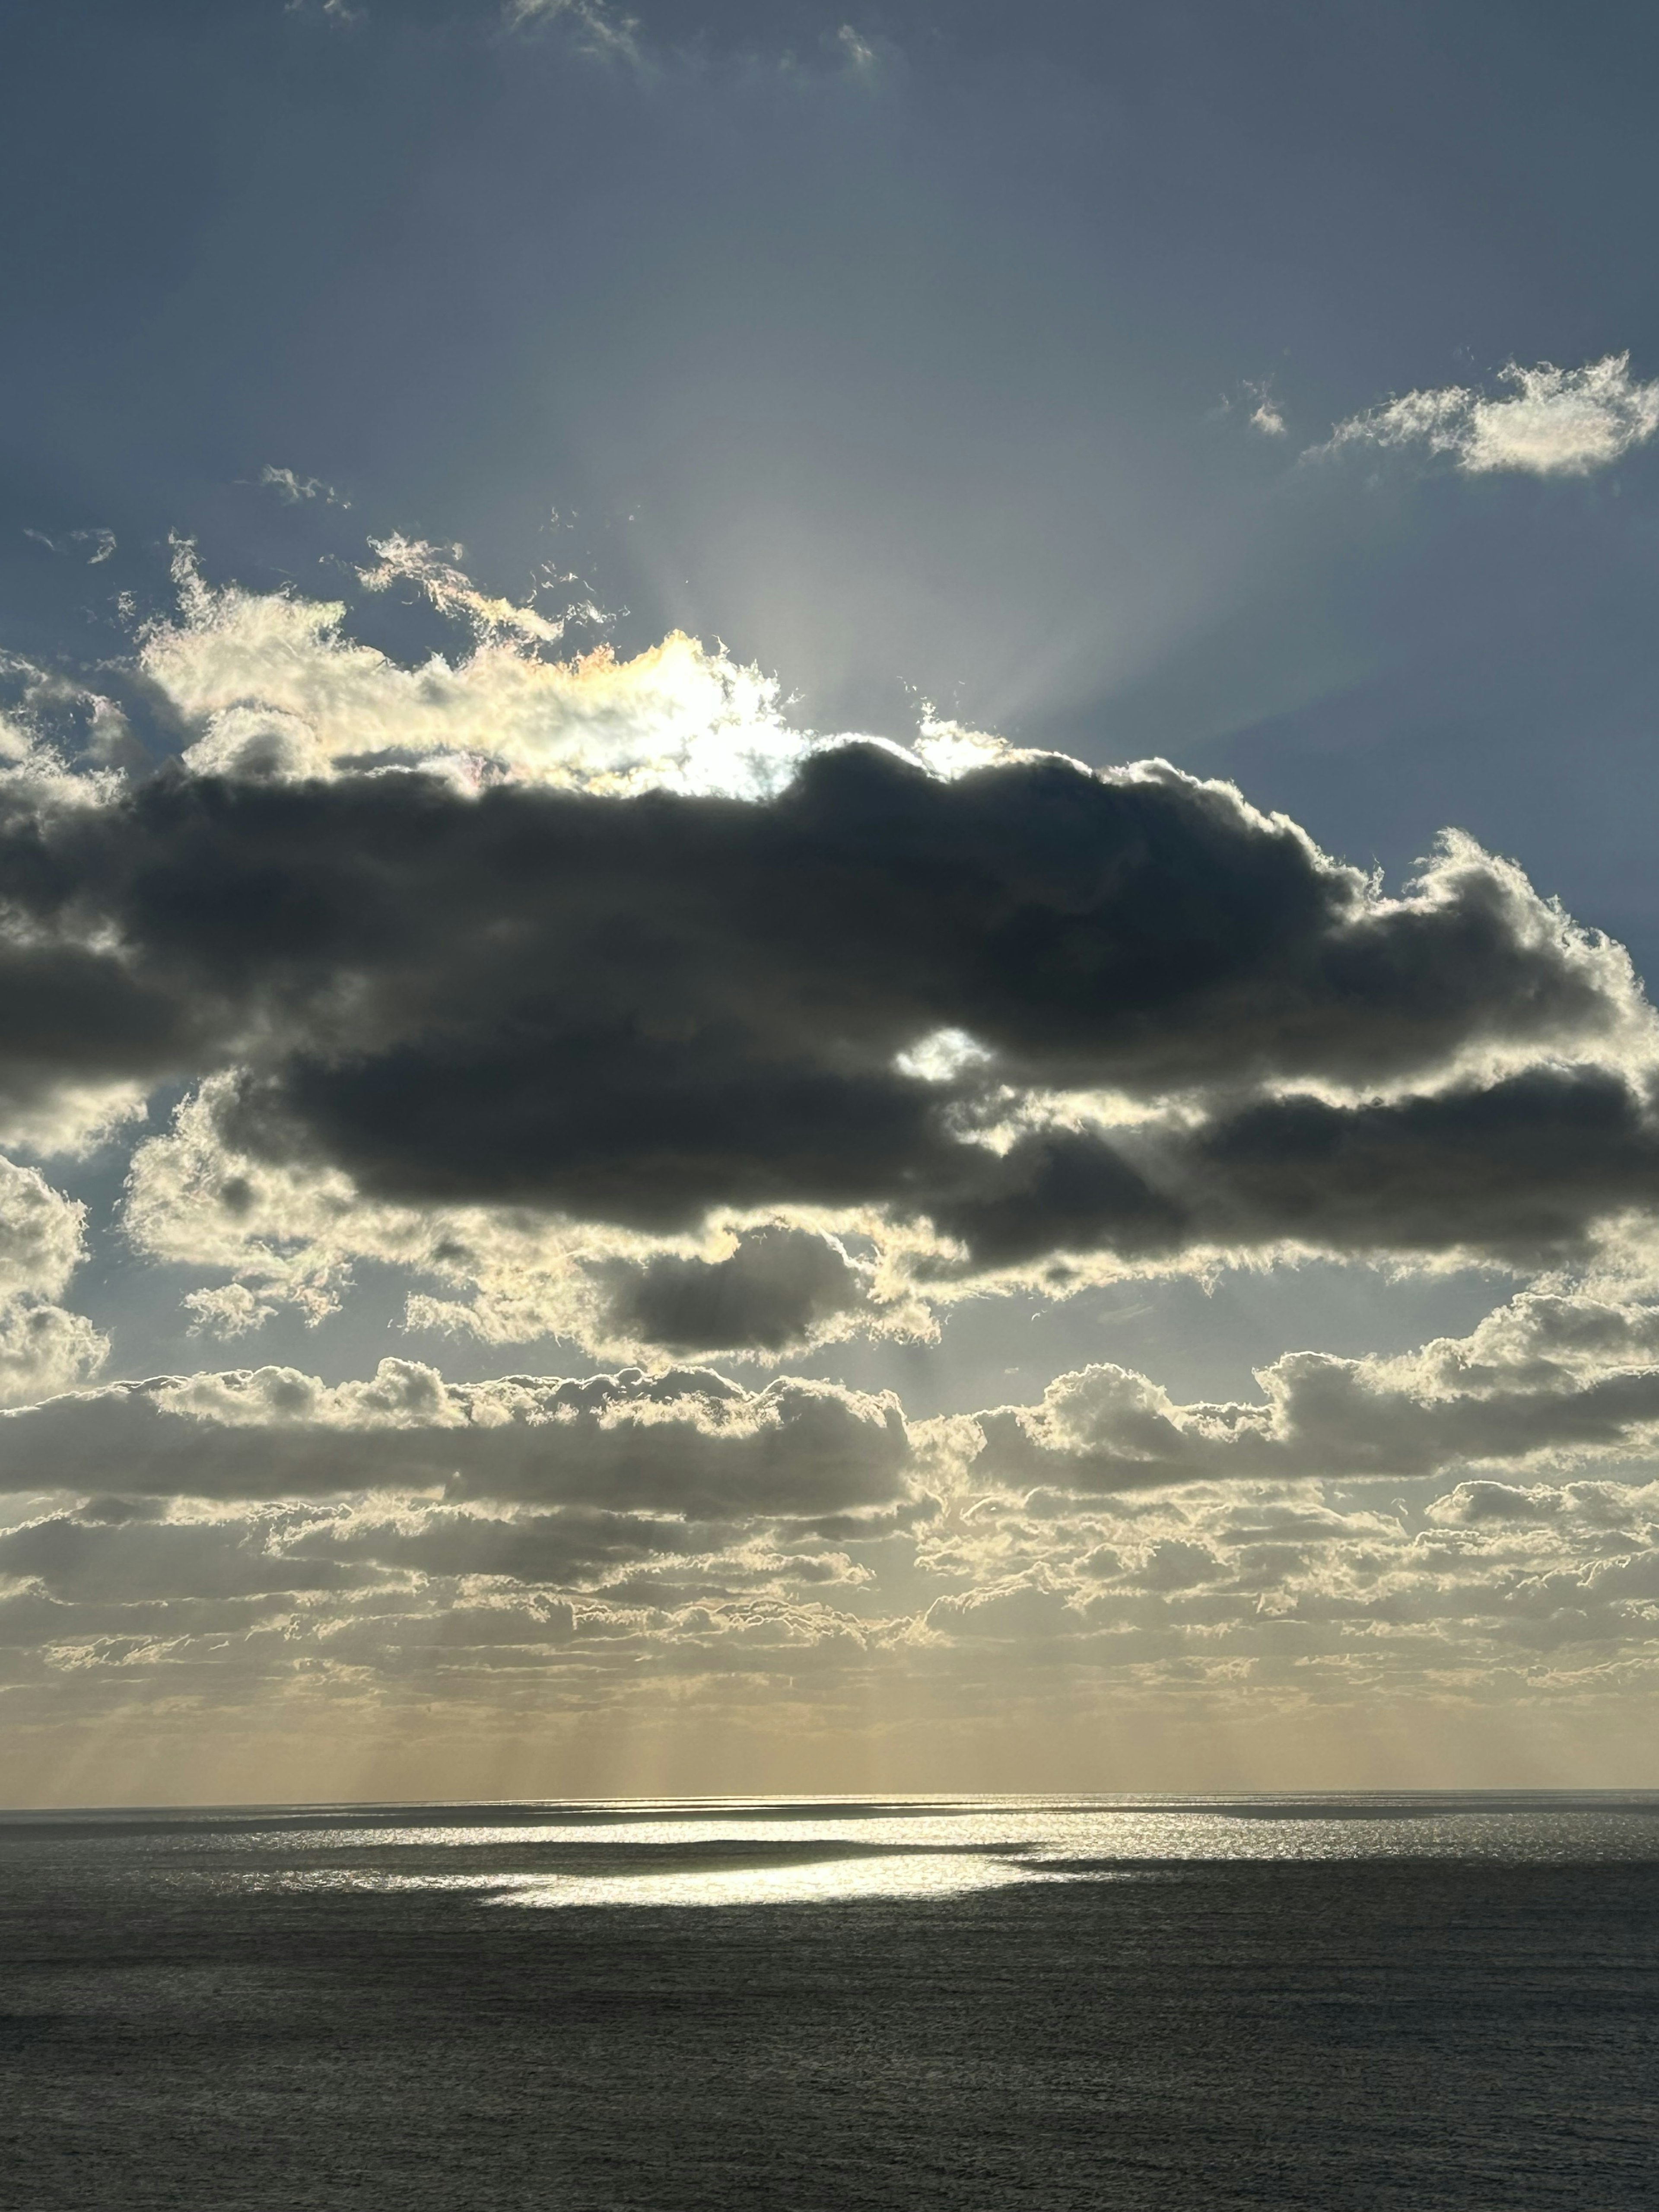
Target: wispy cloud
x=1548, y=422
x=102, y=543
x=1266, y=415
x=859, y=53
x=338, y=12
x=293, y=488
x=1255, y=402
x=599, y=28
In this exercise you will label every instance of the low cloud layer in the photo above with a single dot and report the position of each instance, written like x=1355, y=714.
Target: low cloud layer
x=1549, y=1381
x=692, y=1444
x=1467, y=1515
x=1546, y=422
x=1546, y=1382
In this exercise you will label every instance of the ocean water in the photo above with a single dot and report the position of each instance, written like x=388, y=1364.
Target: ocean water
x=1094, y=2005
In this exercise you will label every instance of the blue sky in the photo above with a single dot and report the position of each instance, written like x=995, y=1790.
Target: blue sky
x=919, y=357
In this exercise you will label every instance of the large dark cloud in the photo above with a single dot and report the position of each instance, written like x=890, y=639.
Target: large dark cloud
x=634, y=1009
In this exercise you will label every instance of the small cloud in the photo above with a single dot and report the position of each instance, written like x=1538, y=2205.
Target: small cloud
x=102, y=543
x=1265, y=416
x=600, y=29
x=1550, y=422
x=229, y=1311
x=293, y=489
x=1256, y=401
x=332, y=11
x=859, y=53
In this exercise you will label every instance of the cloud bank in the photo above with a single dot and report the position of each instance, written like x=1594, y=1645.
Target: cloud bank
x=1465, y=1517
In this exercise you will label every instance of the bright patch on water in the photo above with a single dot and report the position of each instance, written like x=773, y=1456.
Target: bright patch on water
x=833, y=1851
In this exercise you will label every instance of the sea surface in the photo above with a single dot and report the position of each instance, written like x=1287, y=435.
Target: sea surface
x=1094, y=2004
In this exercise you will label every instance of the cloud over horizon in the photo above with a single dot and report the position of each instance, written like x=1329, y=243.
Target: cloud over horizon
x=1462, y=1514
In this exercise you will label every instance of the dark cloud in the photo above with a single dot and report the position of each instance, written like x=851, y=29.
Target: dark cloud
x=1060, y=1190
x=632, y=1010
x=576, y=1543
x=83, y=1559
x=769, y=1293
x=1515, y=1169
x=159, y=1560
x=688, y=1443
x=70, y=1015
x=1518, y=1171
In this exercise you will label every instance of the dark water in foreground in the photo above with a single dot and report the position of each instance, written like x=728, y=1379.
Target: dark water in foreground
x=1399, y=2004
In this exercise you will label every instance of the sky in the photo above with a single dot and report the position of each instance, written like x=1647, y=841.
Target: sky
x=825, y=863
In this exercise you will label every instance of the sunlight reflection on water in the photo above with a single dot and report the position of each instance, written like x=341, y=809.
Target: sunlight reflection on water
x=752, y=1853
x=820, y=1881
x=813, y=1881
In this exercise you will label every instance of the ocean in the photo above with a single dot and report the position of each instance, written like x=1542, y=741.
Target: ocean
x=1404, y=2004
